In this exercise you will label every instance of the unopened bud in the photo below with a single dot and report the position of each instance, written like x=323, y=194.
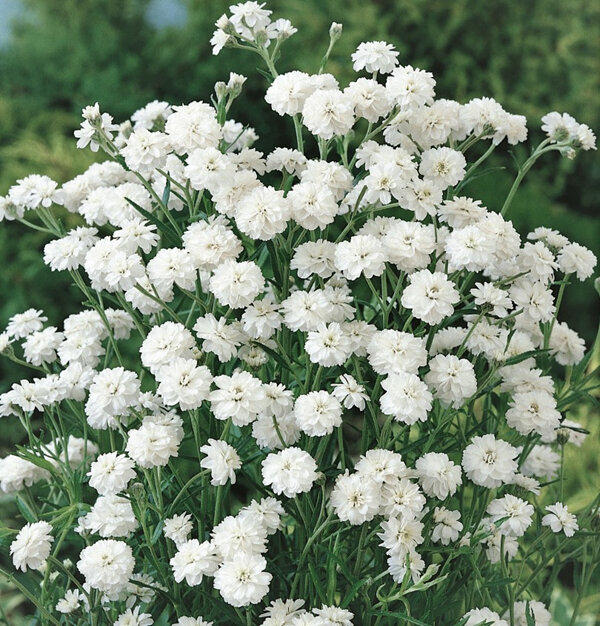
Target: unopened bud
x=221, y=90
x=138, y=492
x=335, y=31
x=261, y=38
x=562, y=436
x=235, y=83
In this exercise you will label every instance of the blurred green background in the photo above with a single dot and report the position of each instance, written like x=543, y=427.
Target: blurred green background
x=57, y=56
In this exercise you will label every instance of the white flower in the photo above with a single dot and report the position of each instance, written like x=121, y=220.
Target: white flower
x=236, y=284
x=518, y=512
x=328, y=113
x=559, y=519
x=276, y=431
x=401, y=535
x=222, y=460
x=370, y=99
x=375, y=56
x=286, y=159
x=107, y=566
x=110, y=473
x=461, y=211
x=326, y=173
x=155, y=441
x=70, y=602
x=334, y=616
x=267, y=512
x=172, y=266
x=178, y=528
x=438, y=475
x=312, y=205
x=240, y=397
x=184, y=382
x=577, y=259
x=94, y=127
x=494, y=542
x=542, y=462
x=354, y=498
x=111, y=516
x=484, y=616
x=146, y=151
x=533, y=411
x=40, y=347
x=219, y=337
x=194, y=560
x=534, y=298
x=409, y=244
x=31, y=547
x=568, y=348
x=281, y=29
x=112, y=393
x=328, y=345
x=150, y=114
x=262, y=213
x=490, y=295
x=395, y=352
x=133, y=617
x=362, y=254
x=400, y=497
x=349, y=392
x=291, y=471
x=444, y=166
x=448, y=527
x=430, y=296
x=407, y=398
x=210, y=243
x=524, y=610
x=208, y=168
x=489, y=462
x=243, y=581
x=23, y=324
x=397, y=566
x=410, y=87
x=281, y=612
x=191, y=126
x=317, y=413
x=288, y=92
x=451, y=379
x=16, y=473
x=165, y=343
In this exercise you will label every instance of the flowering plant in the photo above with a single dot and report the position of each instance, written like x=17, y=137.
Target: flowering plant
x=322, y=387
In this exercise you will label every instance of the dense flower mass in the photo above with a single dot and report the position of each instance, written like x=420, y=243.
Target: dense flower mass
x=318, y=386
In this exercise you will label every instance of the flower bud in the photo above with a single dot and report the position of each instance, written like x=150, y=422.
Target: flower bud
x=335, y=31
x=562, y=436
x=221, y=90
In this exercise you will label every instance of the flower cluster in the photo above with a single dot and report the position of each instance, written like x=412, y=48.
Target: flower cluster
x=318, y=386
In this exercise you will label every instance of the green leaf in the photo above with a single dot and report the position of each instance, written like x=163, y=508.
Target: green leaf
x=26, y=512
x=519, y=358
x=406, y=618
x=166, y=193
x=156, y=535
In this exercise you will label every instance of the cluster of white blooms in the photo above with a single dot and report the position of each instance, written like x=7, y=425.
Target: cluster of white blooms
x=314, y=374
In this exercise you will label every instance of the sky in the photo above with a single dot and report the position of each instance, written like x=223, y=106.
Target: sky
x=160, y=13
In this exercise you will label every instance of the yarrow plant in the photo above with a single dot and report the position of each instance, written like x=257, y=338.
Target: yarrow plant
x=318, y=387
